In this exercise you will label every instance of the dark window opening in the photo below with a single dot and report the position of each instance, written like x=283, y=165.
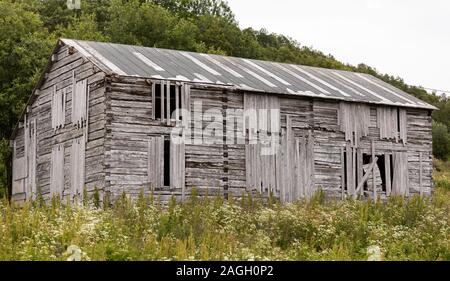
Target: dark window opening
x=172, y=101
x=159, y=108
x=179, y=102
x=381, y=163
x=157, y=102
x=345, y=171
x=167, y=162
x=398, y=120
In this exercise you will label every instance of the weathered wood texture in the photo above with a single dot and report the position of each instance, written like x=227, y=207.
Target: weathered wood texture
x=107, y=124
x=51, y=116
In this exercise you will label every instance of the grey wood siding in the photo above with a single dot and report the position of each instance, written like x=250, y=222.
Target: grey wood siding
x=66, y=67
x=122, y=146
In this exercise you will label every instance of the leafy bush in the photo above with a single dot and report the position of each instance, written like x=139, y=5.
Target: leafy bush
x=215, y=229
x=441, y=141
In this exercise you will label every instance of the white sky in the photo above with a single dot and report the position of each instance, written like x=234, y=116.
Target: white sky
x=406, y=38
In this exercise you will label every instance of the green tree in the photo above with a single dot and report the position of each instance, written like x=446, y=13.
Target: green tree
x=441, y=141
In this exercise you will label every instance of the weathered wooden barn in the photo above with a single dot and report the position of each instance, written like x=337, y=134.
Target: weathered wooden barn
x=125, y=118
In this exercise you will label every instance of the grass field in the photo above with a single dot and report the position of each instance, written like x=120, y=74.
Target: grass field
x=211, y=229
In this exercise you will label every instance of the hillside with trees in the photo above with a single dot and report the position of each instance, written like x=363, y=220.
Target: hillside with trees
x=29, y=30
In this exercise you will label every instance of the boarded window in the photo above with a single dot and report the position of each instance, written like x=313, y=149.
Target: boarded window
x=79, y=103
x=166, y=163
x=31, y=145
x=156, y=162
x=77, y=166
x=57, y=170
x=400, y=185
x=58, y=108
x=354, y=121
x=167, y=98
x=177, y=163
x=392, y=123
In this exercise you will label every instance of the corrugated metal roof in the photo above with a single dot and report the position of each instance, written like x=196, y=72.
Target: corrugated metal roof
x=245, y=74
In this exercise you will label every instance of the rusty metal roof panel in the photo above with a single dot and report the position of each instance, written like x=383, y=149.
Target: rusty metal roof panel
x=246, y=74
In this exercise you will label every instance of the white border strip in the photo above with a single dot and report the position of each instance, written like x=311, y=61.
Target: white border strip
x=270, y=74
x=201, y=64
x=302, y=79
x=202, y=78
x=362, y=87
x=102, y=59
x=148, y=62
x=221, y=65
x=320, y=80
x=384, y=88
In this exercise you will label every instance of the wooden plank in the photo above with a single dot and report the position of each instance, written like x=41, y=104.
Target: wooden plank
x=177, y=103
x=168, y=113
x=359, y=166
x=373, y=171
x=154, y=105
x=366, y=176
x=162, y=101
x=342, y=173
x=387, y=171
x=420, y=174
x=310, y=163
x=350, y=187
x=150, y=168
x=87, y=113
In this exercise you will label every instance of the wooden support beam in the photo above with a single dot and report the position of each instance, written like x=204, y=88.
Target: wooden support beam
x=153, y=100
x=162, y=101
x=420, y=174
x=387, y=172
x=168, y=102
x=373, y=172
x=349, y=158
x=342, y=173
x=359, y=166
x=177, y=103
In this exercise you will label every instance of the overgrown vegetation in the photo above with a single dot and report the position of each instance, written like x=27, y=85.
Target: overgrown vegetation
x=29, y=30
x=214, y=229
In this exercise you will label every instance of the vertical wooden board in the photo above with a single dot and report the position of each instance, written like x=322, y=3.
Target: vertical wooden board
x=296, y=175
x=88, y=94
x=373, y=171
x=359, y=167
x=177, y=103
x=153, y=104
x=350, y=187
x=149, y=162
x=83, y=162
x=405, y=172
x=73, y=166
x=168, y=113
x=387, y=172
x=162, y=90
x=311, y=162
x=161, y=155
x=173, y=175
x=403, y=125
x=302, y=165
x=183, y=170
x=342, y=173
x=420, y=174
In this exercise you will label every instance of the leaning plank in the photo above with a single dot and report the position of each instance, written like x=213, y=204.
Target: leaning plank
x=366, y=176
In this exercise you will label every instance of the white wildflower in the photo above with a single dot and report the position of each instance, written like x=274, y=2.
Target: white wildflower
x=374, y=253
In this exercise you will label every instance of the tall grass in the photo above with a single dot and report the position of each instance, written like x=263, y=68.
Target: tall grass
x=214, y=229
